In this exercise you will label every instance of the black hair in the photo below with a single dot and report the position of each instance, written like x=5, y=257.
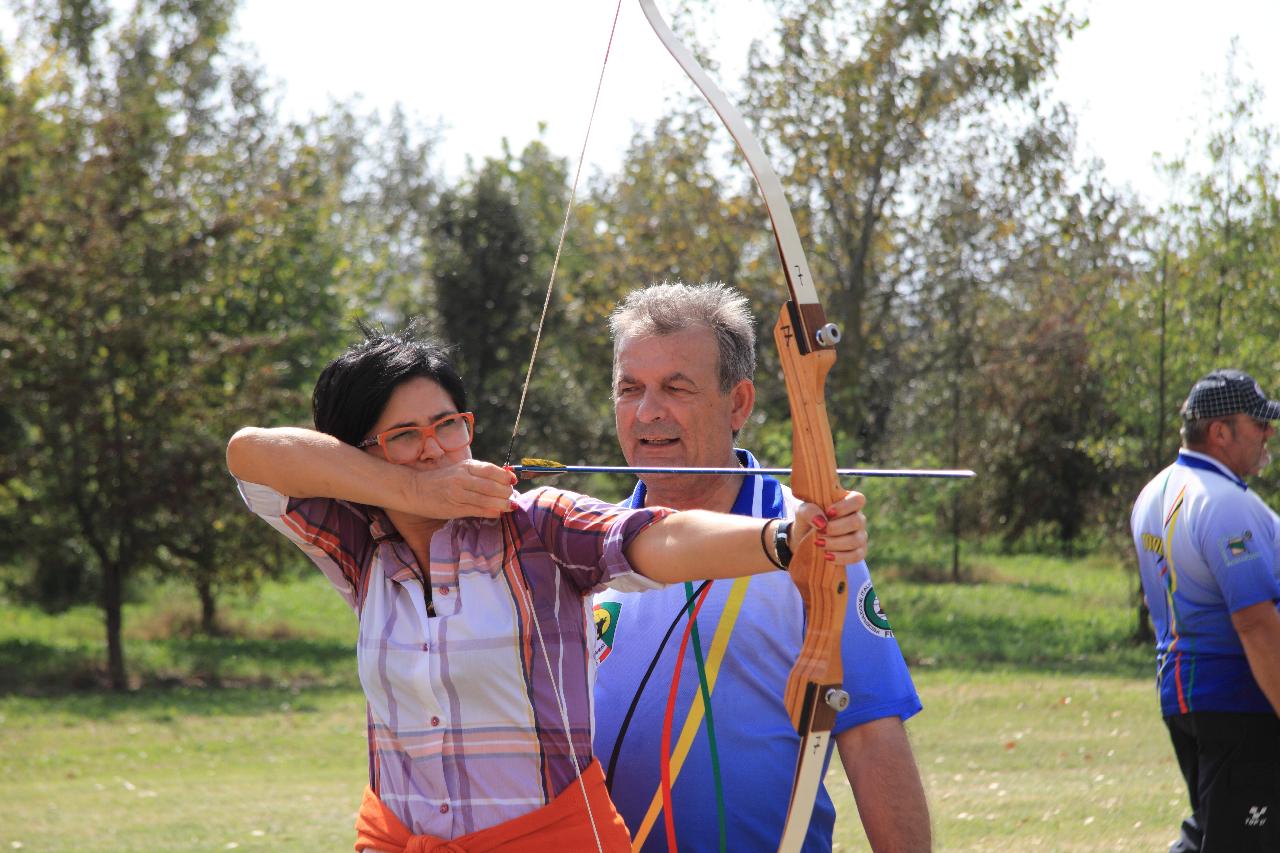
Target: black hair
x=354, y=388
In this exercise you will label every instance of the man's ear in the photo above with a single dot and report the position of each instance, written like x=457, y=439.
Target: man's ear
x=1221, y=433
x=743, y=396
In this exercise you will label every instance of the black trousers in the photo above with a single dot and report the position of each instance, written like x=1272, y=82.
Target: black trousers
x=1231, y=763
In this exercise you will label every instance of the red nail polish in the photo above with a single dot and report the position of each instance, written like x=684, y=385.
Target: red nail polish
x=820, y=541
x=820, y=522
x=831, y=557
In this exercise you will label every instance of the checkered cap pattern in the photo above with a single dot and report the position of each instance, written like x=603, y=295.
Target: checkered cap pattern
x=1229, y=392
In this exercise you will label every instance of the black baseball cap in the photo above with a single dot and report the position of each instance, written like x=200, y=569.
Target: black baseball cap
x=1228, y=392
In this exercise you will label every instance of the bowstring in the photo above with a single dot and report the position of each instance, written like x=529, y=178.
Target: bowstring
x=564, y=230
x=561, y=705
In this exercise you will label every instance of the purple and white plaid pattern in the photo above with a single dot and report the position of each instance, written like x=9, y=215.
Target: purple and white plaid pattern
x=465, y=730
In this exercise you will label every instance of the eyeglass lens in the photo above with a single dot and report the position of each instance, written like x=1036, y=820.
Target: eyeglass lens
x=405, y=444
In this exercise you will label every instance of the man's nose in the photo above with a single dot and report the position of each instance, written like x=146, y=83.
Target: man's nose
x=651, y=407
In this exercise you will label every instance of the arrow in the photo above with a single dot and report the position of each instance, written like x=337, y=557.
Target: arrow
x=529, y=469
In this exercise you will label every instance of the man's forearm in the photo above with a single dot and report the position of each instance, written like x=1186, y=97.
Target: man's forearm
x=1259, y=630
x=886, y=786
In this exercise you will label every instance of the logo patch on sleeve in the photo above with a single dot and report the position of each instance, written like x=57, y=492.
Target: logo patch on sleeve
x=1236, y=548
x=869, y=612
x=606, y=619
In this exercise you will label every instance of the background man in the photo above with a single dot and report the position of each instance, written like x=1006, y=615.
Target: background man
x=683, y=360
x=1207, y=556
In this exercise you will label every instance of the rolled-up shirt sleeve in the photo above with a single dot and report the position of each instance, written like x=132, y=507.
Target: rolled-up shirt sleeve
x=588, y=538
x=333, y=534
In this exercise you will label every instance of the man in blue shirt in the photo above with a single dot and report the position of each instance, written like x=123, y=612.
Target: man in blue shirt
x=683, y=360
x=1207, y=550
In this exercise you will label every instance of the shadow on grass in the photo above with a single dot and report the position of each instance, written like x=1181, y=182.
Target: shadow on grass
x=180, y=666
x=167, y=704
x=972, y=576
x=213, y=655
x=28, y=664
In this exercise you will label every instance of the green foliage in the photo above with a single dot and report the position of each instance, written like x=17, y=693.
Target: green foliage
x=155, y=226
x=1026, y=612
x=176, y=262
x=495, y=251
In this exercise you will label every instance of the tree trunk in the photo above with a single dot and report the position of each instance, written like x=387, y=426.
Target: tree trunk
x=112, y=605
x=208, y=607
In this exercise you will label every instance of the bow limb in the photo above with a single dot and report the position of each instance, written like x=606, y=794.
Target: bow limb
x=805, y=343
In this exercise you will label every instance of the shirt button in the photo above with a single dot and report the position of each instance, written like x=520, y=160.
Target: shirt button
x=435, y=721
x=426, y=647
x=444, y=808
x=444, y=590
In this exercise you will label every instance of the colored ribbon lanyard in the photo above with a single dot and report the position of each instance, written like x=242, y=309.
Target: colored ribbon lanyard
x=715, y=659
x=711, y=723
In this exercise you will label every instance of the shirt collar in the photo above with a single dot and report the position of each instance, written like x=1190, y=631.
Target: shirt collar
x=1205, y=462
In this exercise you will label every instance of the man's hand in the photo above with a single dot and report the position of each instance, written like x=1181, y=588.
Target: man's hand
x=841, y=529
x=470, y=488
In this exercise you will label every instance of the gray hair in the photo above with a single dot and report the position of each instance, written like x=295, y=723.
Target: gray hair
x=663, y=309
x=1196, y=432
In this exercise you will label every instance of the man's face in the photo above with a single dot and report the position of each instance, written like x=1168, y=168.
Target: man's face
x=1245, y=445
x=668, y=405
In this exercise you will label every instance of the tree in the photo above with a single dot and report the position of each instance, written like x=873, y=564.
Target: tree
x=156, y=231
x=860, y=105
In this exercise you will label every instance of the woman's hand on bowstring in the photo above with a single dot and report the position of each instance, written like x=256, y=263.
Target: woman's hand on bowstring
x=469, y=488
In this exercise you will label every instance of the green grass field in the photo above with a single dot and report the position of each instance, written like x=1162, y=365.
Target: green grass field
x=1040, y=728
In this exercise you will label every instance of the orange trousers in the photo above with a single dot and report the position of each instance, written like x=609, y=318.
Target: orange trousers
x=561, y=826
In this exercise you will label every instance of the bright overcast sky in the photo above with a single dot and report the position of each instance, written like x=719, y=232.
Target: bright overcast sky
x=1137, y=77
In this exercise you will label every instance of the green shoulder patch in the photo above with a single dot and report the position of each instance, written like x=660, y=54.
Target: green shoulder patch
x=869, y=612
x=606, y=619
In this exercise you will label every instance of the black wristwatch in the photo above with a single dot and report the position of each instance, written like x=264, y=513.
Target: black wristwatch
x=782, y=543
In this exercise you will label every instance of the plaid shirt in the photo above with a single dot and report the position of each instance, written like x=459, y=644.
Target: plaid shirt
x=465, y=731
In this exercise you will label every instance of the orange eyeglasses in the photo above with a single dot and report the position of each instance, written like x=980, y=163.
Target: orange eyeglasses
x=405, y=444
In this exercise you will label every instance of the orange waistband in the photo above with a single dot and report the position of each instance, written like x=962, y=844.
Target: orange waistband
x=561, y=825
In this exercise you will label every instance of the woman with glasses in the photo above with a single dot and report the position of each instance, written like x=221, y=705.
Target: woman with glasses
x=475, y=645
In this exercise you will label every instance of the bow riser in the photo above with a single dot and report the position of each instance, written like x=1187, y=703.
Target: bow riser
x=822, y=583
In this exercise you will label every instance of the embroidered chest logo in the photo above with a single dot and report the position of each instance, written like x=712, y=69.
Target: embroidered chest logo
x=605, y=616
x=869, y=612
x=1257, y=816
